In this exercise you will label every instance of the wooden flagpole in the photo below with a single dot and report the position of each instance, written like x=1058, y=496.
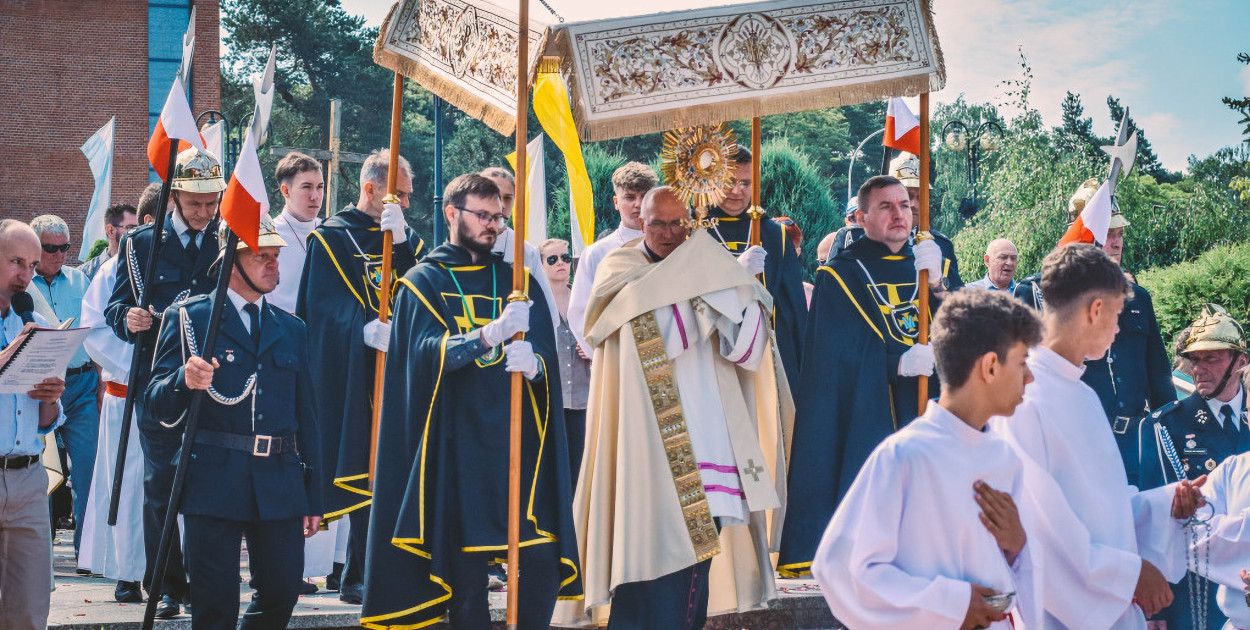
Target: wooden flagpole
x=519, y=220
x=923, y=279
x=384, y=294
x=757, y=212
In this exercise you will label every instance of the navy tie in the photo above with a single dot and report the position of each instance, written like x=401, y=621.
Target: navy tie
x=253, y=312
x=193, y=248
x=1230, y=421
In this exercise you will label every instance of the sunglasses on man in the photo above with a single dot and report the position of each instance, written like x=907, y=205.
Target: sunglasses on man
x=52, y=249
x=551, y=260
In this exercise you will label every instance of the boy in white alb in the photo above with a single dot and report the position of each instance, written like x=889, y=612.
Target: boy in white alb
x=1102, y=541
x=929, y=535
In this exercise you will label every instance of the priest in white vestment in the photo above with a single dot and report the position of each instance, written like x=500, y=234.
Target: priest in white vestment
x=930, y=527
x=686, y=422
x=1103, y=542
x=115, y=552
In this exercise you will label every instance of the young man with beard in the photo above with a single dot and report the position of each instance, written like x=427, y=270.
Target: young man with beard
x=187, y=249
x=440, y=500
x=254, y=451
x=338, y=299
x=775, y=262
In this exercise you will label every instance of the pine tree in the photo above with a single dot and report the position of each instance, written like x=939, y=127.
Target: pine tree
x=1241, y=105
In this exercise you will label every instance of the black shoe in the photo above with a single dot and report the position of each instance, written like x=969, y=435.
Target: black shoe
x=308, y=588
x=352, y=594
x=127, y=592
x=332, y=580
x=186, y=603
x=168, y=608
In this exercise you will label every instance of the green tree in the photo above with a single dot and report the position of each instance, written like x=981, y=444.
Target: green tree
x=1241, y=105
x=1147, y=161
x=792, y=186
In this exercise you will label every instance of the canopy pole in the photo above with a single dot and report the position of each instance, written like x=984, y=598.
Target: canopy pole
x=384, y=289
x=757, y=212
x=519, y=222
x=923, y=278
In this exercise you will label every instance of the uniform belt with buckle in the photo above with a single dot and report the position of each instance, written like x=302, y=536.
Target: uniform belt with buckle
x=82, y=369
x=258, y=445
x=16, y=462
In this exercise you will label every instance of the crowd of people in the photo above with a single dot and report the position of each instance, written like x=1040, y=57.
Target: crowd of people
x=698, y=420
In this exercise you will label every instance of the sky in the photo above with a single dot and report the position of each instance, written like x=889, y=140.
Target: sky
x=1169, y=61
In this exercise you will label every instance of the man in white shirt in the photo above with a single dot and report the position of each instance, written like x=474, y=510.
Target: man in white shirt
x=503, y=243
x=1102, y=540
x=303, y=188
x=886, y=560
x=630, y=184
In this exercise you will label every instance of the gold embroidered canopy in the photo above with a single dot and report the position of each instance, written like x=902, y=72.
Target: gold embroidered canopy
x=645, y=74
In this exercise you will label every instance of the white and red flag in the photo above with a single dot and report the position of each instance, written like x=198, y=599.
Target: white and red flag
x=246, y=199
x=902, y=128
x=176, y=121
x=1092, y=224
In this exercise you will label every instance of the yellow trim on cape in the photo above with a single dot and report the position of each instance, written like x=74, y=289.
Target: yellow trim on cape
x=342, y=275
x=797, y=570
x=859, y=308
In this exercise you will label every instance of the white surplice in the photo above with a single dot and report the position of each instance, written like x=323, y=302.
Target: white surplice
x=906, y=543
x=290, y=258
x=1097, y=528
x=115, y=552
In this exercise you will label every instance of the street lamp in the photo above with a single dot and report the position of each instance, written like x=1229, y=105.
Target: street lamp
x=232, y=136
x=957, y=138
x=857, y=153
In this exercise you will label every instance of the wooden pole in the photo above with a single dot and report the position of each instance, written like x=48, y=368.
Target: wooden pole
x=757, y=212
x=384, y=289
x=519, y=220
x=923, y=278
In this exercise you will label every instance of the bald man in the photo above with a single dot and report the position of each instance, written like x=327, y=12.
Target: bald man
x=684, y=311
x=825, y=246
x=25, y=533
x=1000, y=264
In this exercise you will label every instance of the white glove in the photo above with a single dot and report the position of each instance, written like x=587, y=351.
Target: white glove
x=514, y=319
x=917, y=361
x=393, y=222
x=520, y=357
x=753, y=259
x=378, y=335
x=928, y=257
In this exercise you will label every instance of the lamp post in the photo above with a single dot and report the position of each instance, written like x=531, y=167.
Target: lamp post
x=850, y=169
x=231, y=136
x=957, y=137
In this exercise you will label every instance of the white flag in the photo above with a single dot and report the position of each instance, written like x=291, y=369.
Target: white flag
x=99, y=151
x=535, y=191
x=215, y=140
x=575, y=226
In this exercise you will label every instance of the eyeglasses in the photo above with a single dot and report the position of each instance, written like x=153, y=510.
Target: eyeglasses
x=52, y=249
x=486, y=218
x=551, y=260
x=669, y=226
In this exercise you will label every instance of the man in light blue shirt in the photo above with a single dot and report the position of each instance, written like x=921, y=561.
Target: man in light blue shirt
x=25, y=531
x=1000, y=264
x=63, y=288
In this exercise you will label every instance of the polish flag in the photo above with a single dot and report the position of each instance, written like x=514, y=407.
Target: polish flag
x=902, y=128
x=1092, y=224
x=176, y=122
x=246, y=199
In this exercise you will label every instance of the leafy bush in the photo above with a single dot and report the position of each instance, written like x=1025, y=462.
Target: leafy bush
x=792, y=186
x=1221, y=275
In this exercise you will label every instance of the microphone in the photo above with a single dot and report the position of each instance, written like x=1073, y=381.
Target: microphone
x=25, y=306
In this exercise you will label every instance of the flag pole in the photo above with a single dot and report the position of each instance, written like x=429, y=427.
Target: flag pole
x=188, y=436
x=384, y=289
x=923, y=278
x=141, y=338
x=519, y=222
x=756, y=212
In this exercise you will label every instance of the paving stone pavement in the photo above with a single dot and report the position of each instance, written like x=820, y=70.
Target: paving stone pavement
x=82, y=602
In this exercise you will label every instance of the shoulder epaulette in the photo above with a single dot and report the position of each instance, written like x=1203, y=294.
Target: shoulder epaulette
x=1166, y=409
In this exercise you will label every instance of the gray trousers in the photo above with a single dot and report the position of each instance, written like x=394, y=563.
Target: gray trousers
x=25, y=549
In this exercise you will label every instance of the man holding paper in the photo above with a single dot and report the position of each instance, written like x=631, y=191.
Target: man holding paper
x=25, y=531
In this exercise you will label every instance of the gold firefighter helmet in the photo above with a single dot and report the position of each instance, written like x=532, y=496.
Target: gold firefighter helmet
x=198, y=171
x=906, y=168
x=1215, y=329
x=1083, y=194
x=268, y=236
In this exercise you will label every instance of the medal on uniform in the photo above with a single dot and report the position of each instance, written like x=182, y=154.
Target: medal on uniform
x=1191, y=444
x=1210, y=464
x=230, y=356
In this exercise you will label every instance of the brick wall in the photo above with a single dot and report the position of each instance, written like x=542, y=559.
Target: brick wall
x=66, y=68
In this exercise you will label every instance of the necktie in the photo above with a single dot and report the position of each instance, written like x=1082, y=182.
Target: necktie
x=1230, y=421
x=193, y=248
x=253, y=312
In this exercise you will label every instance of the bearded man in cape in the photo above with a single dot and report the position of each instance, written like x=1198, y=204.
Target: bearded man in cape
x=684, y=469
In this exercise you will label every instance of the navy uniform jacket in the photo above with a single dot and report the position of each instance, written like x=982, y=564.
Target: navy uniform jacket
x=783, y=277
x=950, y=265
x=232, y=484
x=177, y=277
x=1135, y=376
x=1200, y=444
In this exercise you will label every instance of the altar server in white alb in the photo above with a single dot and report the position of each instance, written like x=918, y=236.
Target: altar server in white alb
x=1102, y=543
x=929, y=534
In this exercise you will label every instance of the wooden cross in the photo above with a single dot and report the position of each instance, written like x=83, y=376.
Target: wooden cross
x=753, y=470
x=334, y=157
